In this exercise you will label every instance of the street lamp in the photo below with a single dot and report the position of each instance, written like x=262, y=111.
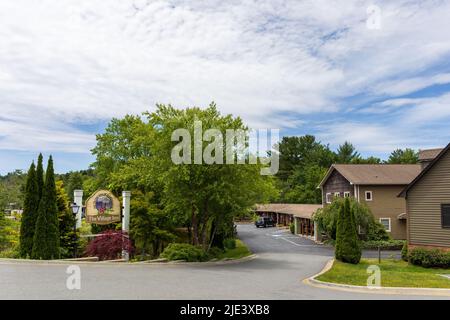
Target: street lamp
x=75, y=208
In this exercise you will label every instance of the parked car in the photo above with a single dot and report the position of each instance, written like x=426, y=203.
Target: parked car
x=265, y=222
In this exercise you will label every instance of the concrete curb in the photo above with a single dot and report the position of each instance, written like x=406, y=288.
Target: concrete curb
x=312, y=281
x=121, y=262
x=218, y=262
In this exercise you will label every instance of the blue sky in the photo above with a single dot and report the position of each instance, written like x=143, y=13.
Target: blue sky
x=378, y=76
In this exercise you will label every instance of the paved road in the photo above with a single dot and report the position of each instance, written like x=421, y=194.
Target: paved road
x=283, y=260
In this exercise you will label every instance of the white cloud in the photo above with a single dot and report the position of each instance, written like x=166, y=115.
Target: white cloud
x=79, y=61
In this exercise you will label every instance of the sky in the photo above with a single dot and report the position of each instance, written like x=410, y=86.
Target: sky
x=375, y=73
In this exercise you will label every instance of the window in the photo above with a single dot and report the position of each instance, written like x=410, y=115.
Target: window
x=369, y=196
x=337, y=194
x=328, y=198
x=386, y=222
x=445, y=212
x=346, y=194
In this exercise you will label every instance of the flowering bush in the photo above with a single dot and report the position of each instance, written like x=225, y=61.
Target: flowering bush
x=108, y=245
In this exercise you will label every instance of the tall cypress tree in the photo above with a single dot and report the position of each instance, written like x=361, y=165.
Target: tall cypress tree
x=40, y=175
x=29, y=215
x=347, y=248
x=46, y=235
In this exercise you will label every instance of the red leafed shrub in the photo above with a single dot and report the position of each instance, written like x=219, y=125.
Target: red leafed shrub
x=108, y=245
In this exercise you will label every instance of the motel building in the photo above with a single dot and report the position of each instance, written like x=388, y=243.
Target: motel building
x=286, y=213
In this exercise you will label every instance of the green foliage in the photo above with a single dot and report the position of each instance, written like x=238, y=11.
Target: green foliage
x=40, y=175
x=383, y=244
x=407, y=156
x=405, y=251
x=347, y=244
x=68, y=238
x=150, y=227
x=12, y=189
x=229, y=243
x=75, y=183
x=347, y=153
x=29, y=215
x=46, y=235
x=9, y=237
x=205, y=197
x=327, y=218
x=184, y=251
x=427, y=258
x=303, y=163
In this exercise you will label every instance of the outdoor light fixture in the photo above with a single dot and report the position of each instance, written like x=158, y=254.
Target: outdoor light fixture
x=75, y=208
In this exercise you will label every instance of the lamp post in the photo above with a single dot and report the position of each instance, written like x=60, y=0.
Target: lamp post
x=75, y=208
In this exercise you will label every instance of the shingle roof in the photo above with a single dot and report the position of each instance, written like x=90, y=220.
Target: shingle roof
x=376, y=174
x=429, y=154
x=297, y=210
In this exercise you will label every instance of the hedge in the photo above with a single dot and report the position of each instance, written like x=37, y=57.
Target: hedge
x=184, y=251
x=429, y=258
x=385, y=245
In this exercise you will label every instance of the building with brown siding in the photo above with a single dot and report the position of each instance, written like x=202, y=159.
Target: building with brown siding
x=377, y=185
x=428, y=202
x=286, y=213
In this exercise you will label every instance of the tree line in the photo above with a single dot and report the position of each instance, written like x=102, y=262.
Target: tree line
x=304, y=162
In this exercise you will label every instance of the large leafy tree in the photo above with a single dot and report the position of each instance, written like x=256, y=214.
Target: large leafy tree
x=200, y=193
x=407, y=156
x=29, y=215
x=46, y=235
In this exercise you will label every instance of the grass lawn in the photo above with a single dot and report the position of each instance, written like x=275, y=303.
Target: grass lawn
x=240, y=251
x=394, y=273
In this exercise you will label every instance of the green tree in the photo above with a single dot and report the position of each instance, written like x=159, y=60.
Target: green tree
x=12, y=190
x=303, y=163
x=29, y=214
x=200, y=192
x=327, y=219
x=40, y=175
x=150, y=227
x=407, y=156
x=347, y=248
x=46, y=235
x=75, y=183
x=68, y=238
x=347, y=153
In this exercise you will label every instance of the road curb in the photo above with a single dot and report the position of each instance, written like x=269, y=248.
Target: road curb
x=117, y=262
x=218, y=262
x=312, y=281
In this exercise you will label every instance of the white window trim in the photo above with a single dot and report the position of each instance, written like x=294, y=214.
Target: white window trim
x=390, y=225
x=337, y=194
x=347, y=194
x=371, y=195
x=326, y=198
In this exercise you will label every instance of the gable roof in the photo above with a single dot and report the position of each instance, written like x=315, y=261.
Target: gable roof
x=425, y=171
x=297, y=210
x=375, y=174
x=429, y=154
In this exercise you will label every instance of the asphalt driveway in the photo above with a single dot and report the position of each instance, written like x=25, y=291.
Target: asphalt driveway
x=282, y=262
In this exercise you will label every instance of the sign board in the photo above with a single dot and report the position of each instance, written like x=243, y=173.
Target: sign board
x=103, y=208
